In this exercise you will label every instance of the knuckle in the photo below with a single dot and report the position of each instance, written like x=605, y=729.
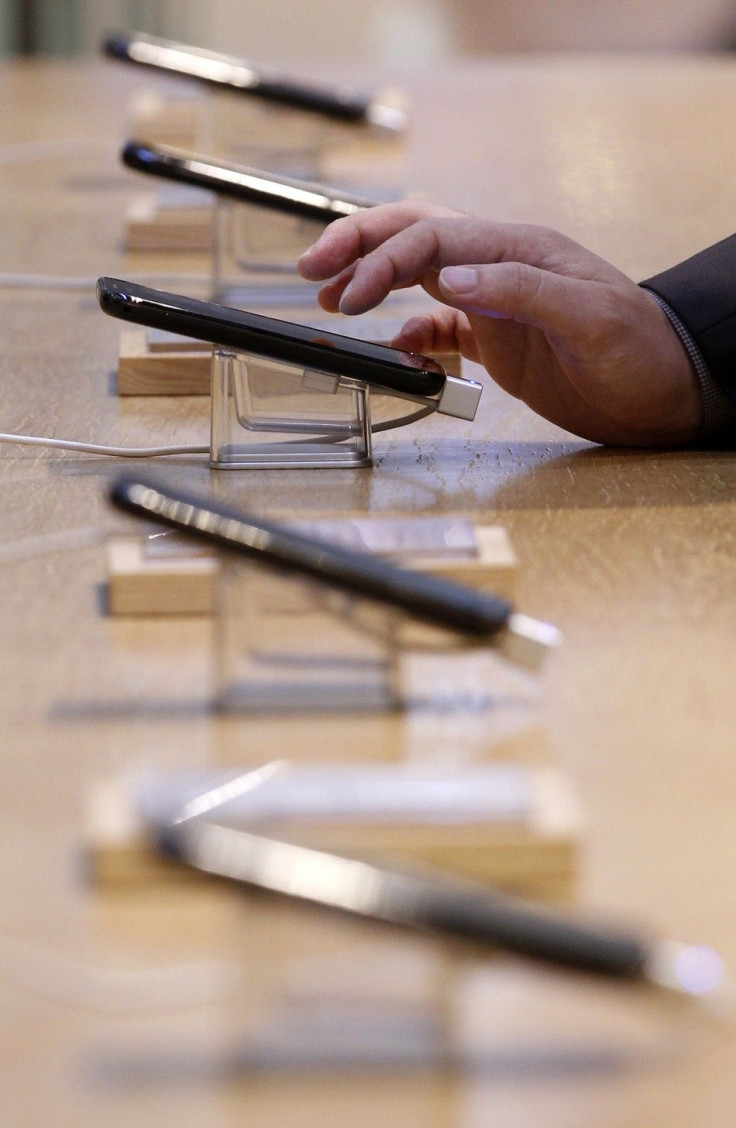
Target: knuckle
x=550, y=244
x=548, y=236
x=428, y=241
x=525, y=283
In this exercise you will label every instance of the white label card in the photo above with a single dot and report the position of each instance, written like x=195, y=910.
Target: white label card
x=494, y=793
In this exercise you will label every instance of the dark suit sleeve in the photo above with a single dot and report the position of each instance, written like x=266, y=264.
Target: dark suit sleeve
x=702, y=291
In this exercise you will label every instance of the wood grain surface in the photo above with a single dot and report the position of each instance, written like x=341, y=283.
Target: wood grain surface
x=163, y=1010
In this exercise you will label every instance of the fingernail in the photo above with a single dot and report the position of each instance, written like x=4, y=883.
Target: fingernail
x=345, y=298
x=307, y=252
x=461, y=279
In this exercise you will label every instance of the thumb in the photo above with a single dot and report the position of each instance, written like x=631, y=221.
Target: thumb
x=518, y=292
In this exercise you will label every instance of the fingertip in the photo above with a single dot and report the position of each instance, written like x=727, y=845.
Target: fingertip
x=302, y=267
x=306, y=264
x=461, y=280
x=344, y=304
x=499, y=290
x=352, y=304
x=353, y=296
x=414, y=335
x=323, y=259
x=326, y=302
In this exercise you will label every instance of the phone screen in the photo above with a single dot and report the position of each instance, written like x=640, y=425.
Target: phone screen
x=378, y=365
x=312, y=201
x=230, y=73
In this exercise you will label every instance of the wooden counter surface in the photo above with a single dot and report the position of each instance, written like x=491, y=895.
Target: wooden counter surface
x=632, y=555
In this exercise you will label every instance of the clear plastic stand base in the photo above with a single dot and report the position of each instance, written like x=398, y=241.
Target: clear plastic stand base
x=286, y=643
x=268, y=413
x=258, y=247
x=275, y=138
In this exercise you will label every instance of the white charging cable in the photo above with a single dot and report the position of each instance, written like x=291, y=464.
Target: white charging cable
x=101, y=448
x=165, y=451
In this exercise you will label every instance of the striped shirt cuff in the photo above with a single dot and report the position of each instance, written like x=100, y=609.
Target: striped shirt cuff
x=718, y=410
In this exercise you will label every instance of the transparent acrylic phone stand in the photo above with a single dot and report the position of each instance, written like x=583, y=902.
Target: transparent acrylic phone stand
x=259, y=246
x=286, y=642
x=269, y=413
x=274, y=138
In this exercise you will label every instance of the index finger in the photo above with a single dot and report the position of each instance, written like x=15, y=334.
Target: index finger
x=348, y=239
x=414, y=255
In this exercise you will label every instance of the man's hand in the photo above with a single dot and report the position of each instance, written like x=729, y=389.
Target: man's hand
x=552, y=323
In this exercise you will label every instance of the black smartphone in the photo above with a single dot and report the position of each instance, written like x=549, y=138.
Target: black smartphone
x=391, y=370
x=229, y=73
x=296, y=197
x=431, y=598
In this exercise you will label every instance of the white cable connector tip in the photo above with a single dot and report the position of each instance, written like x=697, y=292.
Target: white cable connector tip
x=527, y=641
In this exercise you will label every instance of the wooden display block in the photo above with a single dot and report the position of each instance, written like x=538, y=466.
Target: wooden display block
x=142, y=580
x=139, y=584
x=495, y=567
x=151, y=363
x=170, y=220
x=533, y=848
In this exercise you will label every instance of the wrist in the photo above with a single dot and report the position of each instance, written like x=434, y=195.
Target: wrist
x=683, y=401
x=718, y=411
